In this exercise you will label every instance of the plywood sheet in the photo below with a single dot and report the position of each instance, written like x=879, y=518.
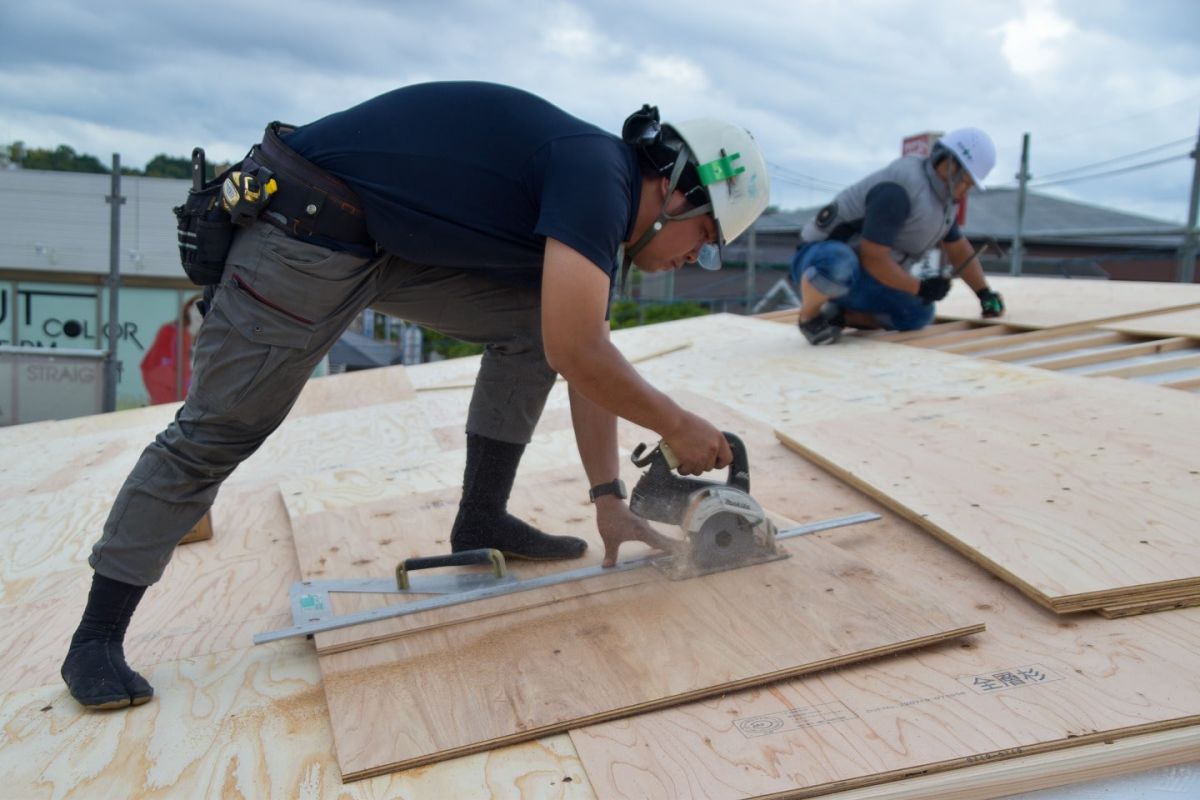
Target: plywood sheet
x=1092, y=763
x=215, y=594
x=1047, y=302
x=370, y=539
x=247, y=723
x=475, y=685
x=1176, y=323
x=770, y=372
x=1023, y=484
x=1033, y=683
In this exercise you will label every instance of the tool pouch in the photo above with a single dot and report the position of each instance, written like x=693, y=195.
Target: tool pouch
x=204, y=228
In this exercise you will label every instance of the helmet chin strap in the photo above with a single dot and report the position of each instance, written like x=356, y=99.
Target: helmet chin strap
x=954, y=180
x=663, y=215
x=957, y=179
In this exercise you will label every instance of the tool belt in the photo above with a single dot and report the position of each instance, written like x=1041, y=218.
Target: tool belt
x=309, y=202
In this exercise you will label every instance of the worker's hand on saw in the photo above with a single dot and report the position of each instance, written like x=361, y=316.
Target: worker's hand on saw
x=618, y=524
x=698, y=445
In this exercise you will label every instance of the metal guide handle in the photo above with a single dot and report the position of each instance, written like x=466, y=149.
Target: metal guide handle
x=467, y=558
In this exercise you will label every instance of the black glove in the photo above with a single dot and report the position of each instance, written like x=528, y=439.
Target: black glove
x=991, y=302
x=933, y=289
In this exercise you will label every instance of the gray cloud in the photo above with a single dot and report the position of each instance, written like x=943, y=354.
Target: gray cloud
x=829, y=88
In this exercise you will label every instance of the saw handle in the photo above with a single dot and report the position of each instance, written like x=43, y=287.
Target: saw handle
x=467, y=558
x=739, y=468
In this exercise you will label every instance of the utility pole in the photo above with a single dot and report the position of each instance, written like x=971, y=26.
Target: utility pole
x=1187, y=253
x=1016, y=253
x=115, y=200
x=751, y=263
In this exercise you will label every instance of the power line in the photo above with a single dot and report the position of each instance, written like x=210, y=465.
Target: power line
x=796, y=175
x=1118, y=121
x=803, y=184
x=1184, y=140
x=1132, y=168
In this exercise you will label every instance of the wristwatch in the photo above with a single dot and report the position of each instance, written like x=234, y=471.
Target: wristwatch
x=616, y=487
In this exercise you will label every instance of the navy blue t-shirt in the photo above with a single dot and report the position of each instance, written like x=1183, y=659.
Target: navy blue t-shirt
x=477, y=175
x=886, y=210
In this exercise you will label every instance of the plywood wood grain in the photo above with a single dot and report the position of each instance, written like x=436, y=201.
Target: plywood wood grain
x=1083, y=763
x=242, y=724
x=774, y=375
x=1048, y=302
x=1023, y=484
x=472, y=686
x=215, y=594
x=952, y=714
x=370, y=539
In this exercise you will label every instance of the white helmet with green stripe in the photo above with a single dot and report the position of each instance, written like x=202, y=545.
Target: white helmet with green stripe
x=732, y=169
x=733, y=183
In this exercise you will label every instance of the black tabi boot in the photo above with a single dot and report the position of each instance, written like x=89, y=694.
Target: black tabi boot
x=826, y=327
x=94, y=669
x=483, y=519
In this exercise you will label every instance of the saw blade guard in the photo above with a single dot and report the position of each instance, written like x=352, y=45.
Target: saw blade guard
x=724, y=528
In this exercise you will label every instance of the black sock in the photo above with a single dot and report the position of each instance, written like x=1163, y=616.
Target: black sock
x=483, y=519
x=95, y=670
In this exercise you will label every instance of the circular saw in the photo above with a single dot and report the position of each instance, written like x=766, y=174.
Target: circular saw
x=723, y=526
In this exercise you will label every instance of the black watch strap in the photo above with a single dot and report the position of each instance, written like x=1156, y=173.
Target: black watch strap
x=616, y=487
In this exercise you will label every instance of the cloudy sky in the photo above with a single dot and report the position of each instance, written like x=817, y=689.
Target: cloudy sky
x=829, y=88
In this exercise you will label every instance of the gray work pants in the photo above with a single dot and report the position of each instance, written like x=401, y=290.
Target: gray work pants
x=281, y=306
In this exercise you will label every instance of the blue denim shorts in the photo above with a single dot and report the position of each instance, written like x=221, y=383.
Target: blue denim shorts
x=833, y=269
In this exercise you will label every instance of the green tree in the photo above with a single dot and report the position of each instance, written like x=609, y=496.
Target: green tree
x=165, y=166
x=447, y=346
x=630, y=313
x=62, y=159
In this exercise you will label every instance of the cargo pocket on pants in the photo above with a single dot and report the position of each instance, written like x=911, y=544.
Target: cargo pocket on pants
x=252, y=359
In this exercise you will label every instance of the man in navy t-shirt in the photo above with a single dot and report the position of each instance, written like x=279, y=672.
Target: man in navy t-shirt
x=477, y=210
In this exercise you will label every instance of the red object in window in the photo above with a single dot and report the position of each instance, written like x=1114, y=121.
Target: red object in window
x=159, y=368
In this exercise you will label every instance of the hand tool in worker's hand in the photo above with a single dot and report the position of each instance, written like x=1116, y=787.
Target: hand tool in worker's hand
x=954, y=273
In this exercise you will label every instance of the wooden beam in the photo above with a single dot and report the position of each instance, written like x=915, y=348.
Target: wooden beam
x=1186, y=384
x=993, y=333
x=1151, y=368
x=201, y=531
x=1058, y=346
x=929, y=330
x=972, y=348
x=1116, y=353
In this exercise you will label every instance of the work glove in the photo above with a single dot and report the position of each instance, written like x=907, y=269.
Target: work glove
x=991, y=302
x=933, y=289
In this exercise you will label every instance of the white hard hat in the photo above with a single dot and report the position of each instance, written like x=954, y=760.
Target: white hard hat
x=733, y=172
x=973, y=149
